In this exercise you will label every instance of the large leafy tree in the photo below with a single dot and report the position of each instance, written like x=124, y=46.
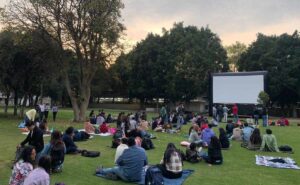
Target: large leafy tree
x=234, y=53
x=90, y=28
x=175, y=66
x=280, y=56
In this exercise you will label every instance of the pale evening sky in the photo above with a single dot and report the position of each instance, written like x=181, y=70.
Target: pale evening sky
x=232, y=20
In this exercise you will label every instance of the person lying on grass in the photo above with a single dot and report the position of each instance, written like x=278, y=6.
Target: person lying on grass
x=129, y=165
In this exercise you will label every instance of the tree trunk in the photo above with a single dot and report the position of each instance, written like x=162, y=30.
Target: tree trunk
x=16, y=103
x=79, y=103
x=23, y=106
x=6, y=101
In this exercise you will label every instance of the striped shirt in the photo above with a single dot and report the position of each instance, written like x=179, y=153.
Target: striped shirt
x=175, y=164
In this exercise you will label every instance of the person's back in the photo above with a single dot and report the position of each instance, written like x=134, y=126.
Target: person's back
x=215, y=155
x=269, y=142
x=194, y=137
x=121, y=148
x=229, y=128
x=237, y=134
x=40, y=176
x=207, y=134
x=132, y=162
x=246, y=132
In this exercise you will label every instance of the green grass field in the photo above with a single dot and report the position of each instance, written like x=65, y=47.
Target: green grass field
x=238, y=168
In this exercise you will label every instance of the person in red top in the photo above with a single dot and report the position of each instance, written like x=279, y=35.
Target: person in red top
x=235, y=111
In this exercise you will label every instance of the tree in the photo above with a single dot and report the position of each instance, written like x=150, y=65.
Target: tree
x=280, y=56
x=175, y=66
x=27, y=62
x=263, y=98
x=89, y=28
x=234, y=53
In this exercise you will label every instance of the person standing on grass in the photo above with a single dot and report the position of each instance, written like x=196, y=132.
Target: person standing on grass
x=265, y=117
x=269, y=142
x=46, y=112
x=225, y=113
x=40, y=175
x=129, y=165
x=42, y=111
x=54, y=111
x=235, y=112
x=23, y=166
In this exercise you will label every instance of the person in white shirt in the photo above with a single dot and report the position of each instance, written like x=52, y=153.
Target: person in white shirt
x=132, y=123
x=225, y=113
x=42, y=111
x=120, y=149
x=46, y=110
x=54, y=111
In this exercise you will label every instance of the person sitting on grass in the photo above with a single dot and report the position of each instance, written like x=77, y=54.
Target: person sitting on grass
x=23, y=166
x=229, y=128
x=129, y=166
x=237, y=133
x=120, y=149
x=192, y=153
x=71, y=147
x=34, y=137
x=171, y=164
x=89, y=127
x=214, y=153
x=246, y=133
x=56, y=149
x=207, y=134
x=223, y=139
x=194, y=135
x=255, y=140
x=269, y=142
x=40, y=175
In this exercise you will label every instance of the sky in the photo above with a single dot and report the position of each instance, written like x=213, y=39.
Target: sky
x=231, y=20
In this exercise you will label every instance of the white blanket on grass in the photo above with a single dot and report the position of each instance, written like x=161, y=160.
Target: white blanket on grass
x=289, y=163
x=100, y=134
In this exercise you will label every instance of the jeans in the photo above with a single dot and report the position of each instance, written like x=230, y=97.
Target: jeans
x=265, y=120
x=225, y=117
x=117, y=170
x=256, y=119
x=235, y=118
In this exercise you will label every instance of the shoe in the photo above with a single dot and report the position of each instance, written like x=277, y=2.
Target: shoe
x=99, y=169
x=111, y=176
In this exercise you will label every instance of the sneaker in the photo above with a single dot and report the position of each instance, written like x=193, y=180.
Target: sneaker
x=111, y=176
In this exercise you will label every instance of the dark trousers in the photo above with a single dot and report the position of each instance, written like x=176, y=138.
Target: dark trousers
x=54, y=116
x=46, y=114
x=168, y=174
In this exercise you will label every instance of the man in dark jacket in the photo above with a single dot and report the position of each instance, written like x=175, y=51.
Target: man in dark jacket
x=34, y=138
x=68, y=140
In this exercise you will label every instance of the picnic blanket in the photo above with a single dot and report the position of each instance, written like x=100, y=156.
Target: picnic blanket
x=44, y=135
x=92, y=133
x=276, y=162
x=178, y=181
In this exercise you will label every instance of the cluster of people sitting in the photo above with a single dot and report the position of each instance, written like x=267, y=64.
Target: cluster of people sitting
x=129, y=140
x=251, y=138
x=49, y=157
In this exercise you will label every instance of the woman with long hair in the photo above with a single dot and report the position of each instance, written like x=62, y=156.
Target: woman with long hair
x=23, y=166
x=214, y=154
x=171, y=164
x=56, y=149
x=223, y=139
x=255, y=140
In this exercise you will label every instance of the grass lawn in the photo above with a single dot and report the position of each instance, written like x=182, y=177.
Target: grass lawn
x=238, y=168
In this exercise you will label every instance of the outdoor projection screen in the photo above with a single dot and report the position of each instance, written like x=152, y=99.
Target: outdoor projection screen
x=242, y=88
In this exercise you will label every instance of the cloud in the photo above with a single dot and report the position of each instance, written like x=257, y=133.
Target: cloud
x=231, y=19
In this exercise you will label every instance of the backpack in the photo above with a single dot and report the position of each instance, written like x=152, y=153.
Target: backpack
x=285, y=148
x=154, y=176
x=118, y=134
x=86, y=153
x=147, y=144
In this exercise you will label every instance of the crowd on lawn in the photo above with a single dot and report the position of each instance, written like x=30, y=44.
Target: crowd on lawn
x=131, y=137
